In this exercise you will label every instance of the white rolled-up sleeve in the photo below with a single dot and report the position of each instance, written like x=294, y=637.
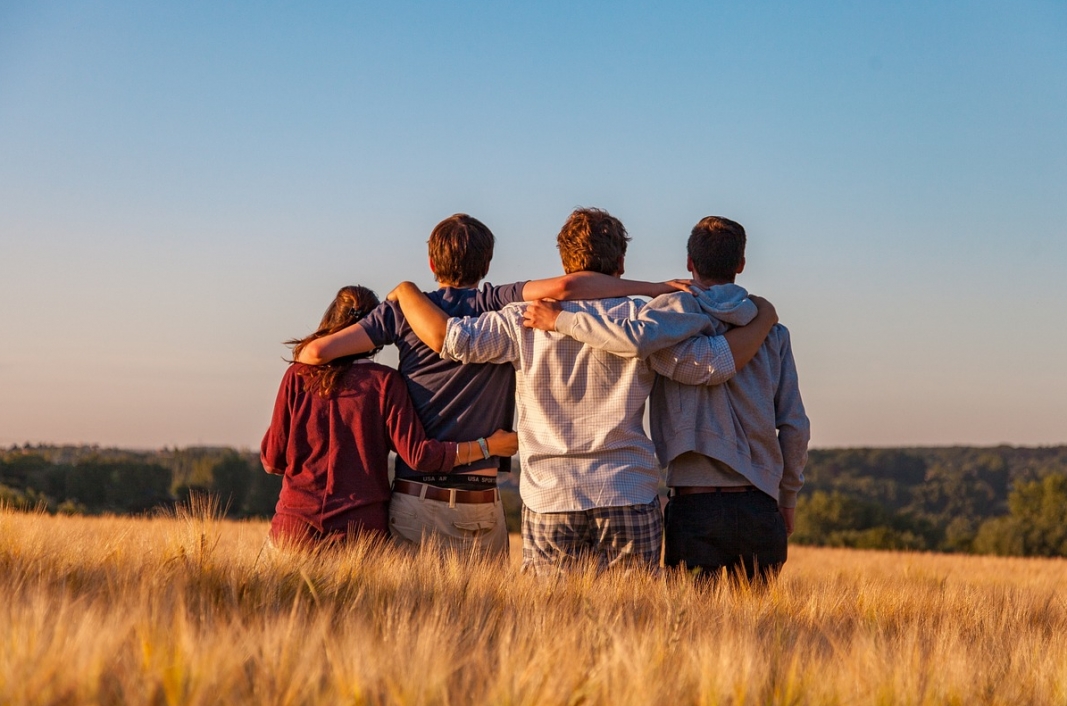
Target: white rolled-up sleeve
x=489, y=338
x=704, y=360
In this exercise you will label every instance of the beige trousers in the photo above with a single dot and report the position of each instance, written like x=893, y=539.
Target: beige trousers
x=466, y=528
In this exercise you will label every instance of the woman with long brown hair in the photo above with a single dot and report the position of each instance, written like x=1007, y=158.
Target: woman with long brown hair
x=331, y=433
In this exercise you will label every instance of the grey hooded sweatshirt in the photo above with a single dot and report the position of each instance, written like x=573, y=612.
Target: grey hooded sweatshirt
x=754, y=422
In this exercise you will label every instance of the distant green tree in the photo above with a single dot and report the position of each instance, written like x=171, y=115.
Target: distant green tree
x=137, y=487
x=960, y=534
x=88, y=484
x=999, y=535
x=839, y=520
x=19, y=470
x=1040, y=507
x=1035, y=525
x=263, y=492
x=117, y=486
x=15, y=498
x=231, y=478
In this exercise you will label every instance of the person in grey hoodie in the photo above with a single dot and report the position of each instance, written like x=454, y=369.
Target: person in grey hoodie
x=735, y=452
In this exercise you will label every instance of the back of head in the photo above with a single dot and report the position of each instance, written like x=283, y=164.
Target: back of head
x=592, y=240
x=717, y=248
x=350, y=305
x=461, y=248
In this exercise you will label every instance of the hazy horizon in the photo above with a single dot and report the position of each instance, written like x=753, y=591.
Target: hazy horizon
x=184, y=187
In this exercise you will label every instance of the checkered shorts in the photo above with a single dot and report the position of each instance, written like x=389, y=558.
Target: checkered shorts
x=610, y=536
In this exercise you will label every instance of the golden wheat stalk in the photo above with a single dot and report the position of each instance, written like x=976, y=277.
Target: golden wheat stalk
x=192, y=609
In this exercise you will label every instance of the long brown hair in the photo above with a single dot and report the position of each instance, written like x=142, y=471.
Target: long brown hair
x=350, y=305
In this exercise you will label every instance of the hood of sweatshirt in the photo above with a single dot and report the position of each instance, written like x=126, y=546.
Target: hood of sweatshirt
x=728, y=303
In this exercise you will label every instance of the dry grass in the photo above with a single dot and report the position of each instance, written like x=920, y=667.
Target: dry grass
x=192, y=610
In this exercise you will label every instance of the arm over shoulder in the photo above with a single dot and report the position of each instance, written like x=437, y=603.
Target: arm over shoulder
x=594, y=285
x=665, y=321
x=703, y=360
x=494, y=298
x=377, y=329
x=492, y=337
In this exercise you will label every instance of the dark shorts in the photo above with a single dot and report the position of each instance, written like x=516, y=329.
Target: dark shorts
x=735, y=531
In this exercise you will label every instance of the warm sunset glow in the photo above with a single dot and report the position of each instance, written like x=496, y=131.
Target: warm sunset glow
x=184, y=186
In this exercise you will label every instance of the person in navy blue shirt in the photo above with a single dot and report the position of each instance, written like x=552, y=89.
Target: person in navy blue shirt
x=460, y=511
x=330, y=436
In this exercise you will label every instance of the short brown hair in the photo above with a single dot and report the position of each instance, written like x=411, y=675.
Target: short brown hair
x=592, y=240
x=461, y=248
x=717, y=248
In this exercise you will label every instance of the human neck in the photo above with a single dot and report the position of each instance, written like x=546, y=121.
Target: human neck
x=455, y=285
x=711, y=281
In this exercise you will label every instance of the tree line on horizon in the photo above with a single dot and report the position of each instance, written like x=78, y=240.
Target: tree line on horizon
x=90, y=480
x=986, y=500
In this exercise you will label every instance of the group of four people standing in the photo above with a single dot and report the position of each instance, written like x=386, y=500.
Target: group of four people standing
x=726, y=415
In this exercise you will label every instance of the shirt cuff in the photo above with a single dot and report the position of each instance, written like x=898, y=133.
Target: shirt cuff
x=565, y=323
x=723, y=360
x=451, y=456
x=456, y=339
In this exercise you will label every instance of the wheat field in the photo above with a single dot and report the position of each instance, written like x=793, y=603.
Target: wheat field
x=192, y=609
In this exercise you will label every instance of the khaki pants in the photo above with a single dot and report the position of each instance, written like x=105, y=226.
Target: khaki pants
x=466, y=529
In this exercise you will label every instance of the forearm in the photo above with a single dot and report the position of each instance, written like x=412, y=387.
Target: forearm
x=350, y=341
x=468, y=452
x=489, y=338
x=745, y=341
x=791, y=420
x=591, y=285
x=427, y=321
x=790, y=485
x=652, y=331
x=793, y=442
x=499, y=443
x=704, y=360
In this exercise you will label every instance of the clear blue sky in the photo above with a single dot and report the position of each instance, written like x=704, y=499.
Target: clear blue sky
x=185, y=185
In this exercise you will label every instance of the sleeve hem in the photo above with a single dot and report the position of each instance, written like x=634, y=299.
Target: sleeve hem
x=565, y=323
x=724, y=363
x=454, y=338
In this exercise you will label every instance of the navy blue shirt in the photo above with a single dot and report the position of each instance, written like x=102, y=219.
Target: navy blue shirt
x=455, y=402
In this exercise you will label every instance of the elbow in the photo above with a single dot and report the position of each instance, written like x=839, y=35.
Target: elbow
x=270, y=468
x=566, y=288
x=312, y=354
x=430, y=463
x=560, y=288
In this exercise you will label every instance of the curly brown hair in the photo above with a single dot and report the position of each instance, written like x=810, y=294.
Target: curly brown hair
x=350, y=305
x=592, y=240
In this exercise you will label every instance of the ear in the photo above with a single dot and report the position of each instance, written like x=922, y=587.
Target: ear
x=689, y=266
x=621, y=269
x=432, y=268
x=741, y=267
